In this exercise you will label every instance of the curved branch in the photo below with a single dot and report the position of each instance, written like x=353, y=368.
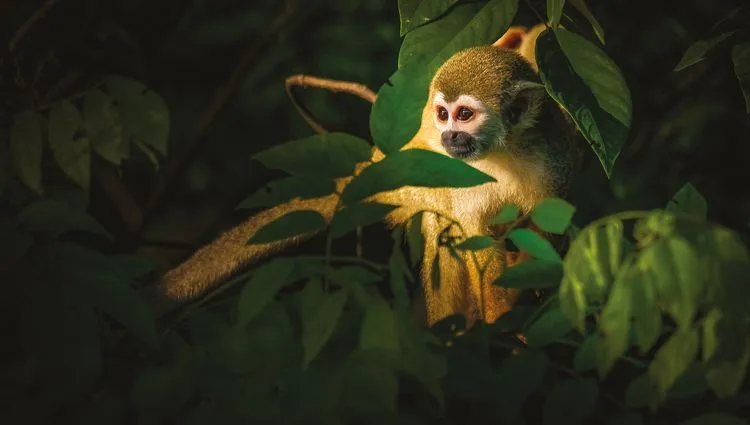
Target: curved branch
x=301, y=80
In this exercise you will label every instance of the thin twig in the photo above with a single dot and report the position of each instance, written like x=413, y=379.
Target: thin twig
x=302, y=80
x=172, y=168
x=29, y=23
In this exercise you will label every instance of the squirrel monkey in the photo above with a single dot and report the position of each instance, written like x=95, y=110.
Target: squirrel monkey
x=486, y=106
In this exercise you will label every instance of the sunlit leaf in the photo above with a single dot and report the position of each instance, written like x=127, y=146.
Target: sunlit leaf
x=529, y=241
x=614, y=326
x=554, y=11
x=292, y=224
x=553, y=215
x=672, y=360
x=413, y=167
x=591, y=88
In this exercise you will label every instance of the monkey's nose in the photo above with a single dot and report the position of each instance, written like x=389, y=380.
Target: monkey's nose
x=457, y=143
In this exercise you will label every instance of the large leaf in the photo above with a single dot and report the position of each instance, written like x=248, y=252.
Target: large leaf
x=741, y=60
x=101, y=120
x=358, y=215
x=614, y=325
x=26, y=140
x=379, y=327
x=413, y=167
x=292, y=224
x=396, y=114
x=553, y=215
x=591, y=88
x=551, y=326
x=143, y=113
x=581, y=6
x=328, y=155
x=414, y=13
x=726, y=353
x=554, y=11
x=320, y=313
x=261, y=289
x=56, y=218
x=529, y=241
x=697, y=51
x=688, y=200
x=673, y=359
x=72, y=153
x=531, y=274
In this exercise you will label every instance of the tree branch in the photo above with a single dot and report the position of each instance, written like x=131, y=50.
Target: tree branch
x=302, y=80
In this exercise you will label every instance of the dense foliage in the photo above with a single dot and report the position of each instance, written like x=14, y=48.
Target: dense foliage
x=645, y=319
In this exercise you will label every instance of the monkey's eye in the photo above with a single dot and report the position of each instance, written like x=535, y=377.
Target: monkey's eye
x=464, y=113
x=442, y=113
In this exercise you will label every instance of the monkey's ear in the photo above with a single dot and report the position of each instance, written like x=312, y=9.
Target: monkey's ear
x=512, y=39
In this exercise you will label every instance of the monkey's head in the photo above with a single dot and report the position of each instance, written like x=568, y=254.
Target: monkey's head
x=483, y=99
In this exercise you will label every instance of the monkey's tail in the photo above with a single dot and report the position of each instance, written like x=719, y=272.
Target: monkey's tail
x=228, y=254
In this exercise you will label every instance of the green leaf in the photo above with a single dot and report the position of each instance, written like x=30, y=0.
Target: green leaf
x=585, y=357
x=520, y=375
x=554, y=12
x=73, y=154
x=614, y=326
x=697, y=51
x=328, y=155
x=717, y=418
x=261, y=289
x=553, y=215
x=531, y=274
x=286, y=189
x=529, y=241
x=591, y=88
x=507, y=214
x=647, y=321
x=590, y=266
x=413, y=167
x=726, y=353
x=581, y=6
x=741, y=60
x=677, y=273
x=56, y=218
x=415, y=239
x=688, y=200
x=358, y=215
x=396, y=115
x=548, y=328
x=641, y=392
x=398, y=269
x=103, y=127
x=673, y=359
x=414, y=13
x=379, y=327
x=570, y=401
x=26, y=140
x=292, y=224
x=143, y=113
x=370, y=387
x=319, y=320
x=692, y=383
x=476, y=243
x=99, y=281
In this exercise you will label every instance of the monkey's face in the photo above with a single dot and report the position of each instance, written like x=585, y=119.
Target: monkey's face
x=470, y=128
x=462, y=125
